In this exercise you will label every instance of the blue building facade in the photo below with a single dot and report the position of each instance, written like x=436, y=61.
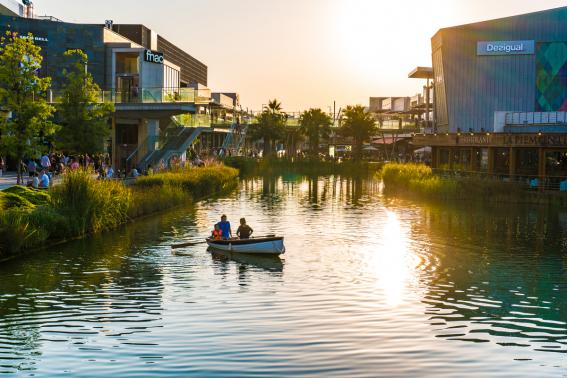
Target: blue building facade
x=500, y=98
x=510, y=65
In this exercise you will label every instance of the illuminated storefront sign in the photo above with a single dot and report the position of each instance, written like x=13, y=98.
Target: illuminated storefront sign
x=505, y=48
x=153, y=57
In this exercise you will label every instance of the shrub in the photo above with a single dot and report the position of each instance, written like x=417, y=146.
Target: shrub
x=16, y=233
x=50, y=221
x=148, y=200
x=90, y=205
x=12, y=200
x=34, y=196
x=197, y=181
x=419, y=179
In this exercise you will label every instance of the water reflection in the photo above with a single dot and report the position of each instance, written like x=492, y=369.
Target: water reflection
x=369, y=285
x=108, y=286
x=393, y=261
x=269, y=263
x=501, y=276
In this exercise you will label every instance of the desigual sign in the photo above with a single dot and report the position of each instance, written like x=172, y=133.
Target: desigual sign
x=153, y=57
x=505, y=48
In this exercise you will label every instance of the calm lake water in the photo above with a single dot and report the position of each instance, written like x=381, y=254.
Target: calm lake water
x=369, y=286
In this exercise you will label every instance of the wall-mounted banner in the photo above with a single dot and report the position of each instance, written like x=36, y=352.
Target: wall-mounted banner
x=505, y=48
x=153, y=56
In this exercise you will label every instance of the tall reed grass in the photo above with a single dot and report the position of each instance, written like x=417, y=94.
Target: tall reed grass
x=197, y=181
x=419, y=180
x=252, y=166
x=90, y=205
x=82, y=205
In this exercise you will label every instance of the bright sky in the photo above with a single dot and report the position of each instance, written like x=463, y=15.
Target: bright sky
x=306, y=53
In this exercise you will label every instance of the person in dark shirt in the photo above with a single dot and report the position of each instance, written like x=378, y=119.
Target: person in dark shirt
x=244, y=231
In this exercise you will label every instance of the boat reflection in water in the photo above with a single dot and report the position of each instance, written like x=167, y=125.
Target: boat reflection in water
x=268, y=262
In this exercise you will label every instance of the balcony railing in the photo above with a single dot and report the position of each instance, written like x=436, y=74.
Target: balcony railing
x=144, y=96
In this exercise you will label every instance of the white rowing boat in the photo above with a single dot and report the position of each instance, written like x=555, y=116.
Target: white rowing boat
x=264, y=245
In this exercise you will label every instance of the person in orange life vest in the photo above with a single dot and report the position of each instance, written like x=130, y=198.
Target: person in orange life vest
x=217, y=233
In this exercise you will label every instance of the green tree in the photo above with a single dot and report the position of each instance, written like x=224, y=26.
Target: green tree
x=27, y=114
x=270, y=126
x=84, y=119
x=359, y=125
x=315, y=125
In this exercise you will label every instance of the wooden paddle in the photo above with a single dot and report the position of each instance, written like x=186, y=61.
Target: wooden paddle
x=188, y=244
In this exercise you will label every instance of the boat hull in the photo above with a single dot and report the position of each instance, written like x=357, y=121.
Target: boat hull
x=262, y=246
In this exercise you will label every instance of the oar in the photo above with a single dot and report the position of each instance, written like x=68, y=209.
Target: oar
x=188, y=244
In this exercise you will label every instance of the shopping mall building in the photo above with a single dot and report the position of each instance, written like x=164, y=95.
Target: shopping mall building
x=153, y=83
x=500, y=97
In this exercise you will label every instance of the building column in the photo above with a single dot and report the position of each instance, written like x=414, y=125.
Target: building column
x=434, y=162
x=541, y=168
x=490, y=160
x=153, y=132
x=512, y=162
x=114, y=160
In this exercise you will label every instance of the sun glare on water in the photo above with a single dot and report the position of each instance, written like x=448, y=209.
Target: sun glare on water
x=393, y=263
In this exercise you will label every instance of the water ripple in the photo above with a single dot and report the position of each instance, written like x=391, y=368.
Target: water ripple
x=370, y=286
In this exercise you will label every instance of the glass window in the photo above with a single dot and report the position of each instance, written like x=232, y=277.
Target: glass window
x=484, y=159
x=127, y=63
x=501, y=160
x=527, y=160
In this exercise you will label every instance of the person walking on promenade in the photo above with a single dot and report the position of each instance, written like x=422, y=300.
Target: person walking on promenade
x=32, y=166
x=45, y=162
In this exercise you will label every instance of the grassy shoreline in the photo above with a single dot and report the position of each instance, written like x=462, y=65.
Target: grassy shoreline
x=82, y=205
x=252, y=166
x=418, y=180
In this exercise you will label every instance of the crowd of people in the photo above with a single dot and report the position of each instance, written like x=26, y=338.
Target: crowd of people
x=41, y=171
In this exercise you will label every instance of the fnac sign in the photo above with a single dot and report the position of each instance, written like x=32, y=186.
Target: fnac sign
x=153, y=56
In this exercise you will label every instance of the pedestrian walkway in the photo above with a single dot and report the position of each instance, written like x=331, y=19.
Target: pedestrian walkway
x=7, y=180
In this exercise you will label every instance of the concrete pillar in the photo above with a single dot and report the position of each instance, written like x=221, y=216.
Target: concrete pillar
x=435, y=157
x=114, y=160
x=512, y=162
x=490, y=160
x=541, y=168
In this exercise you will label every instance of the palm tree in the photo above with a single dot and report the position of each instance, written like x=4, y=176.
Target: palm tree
x=270, y=126
x=293, y=137
x=359, y=125
x=274, y=106
x=315, y=124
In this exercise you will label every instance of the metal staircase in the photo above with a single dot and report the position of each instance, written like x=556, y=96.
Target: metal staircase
x=176, y=143
x=174, y=140
x=234, y=138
